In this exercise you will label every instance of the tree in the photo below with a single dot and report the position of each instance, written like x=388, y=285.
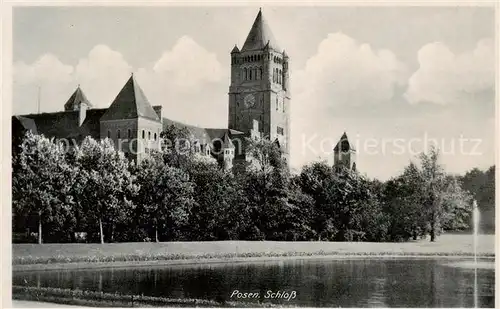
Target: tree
x=178, y=146
x=433, y=186
x=481, y=184
x=403, y=204
x=41, y=180
x=165, y=195
x=218, y=213
x=108, y=185
x=266, y=186
x=457, y=206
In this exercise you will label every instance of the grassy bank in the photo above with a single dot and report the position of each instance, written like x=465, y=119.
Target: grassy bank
x=100, y=299
x=447, y=245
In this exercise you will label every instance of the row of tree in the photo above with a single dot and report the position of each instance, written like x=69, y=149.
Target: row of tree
x=173, y=196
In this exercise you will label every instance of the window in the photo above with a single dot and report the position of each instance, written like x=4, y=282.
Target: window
x=143, y=134
x=274, y=76
x=129, y=133
x=250, y=74
x=109, y=134
x=276, y=103
x=118, y=133
x=260, y=71
x=246, y=74
x=149, y=135
x=155, y=136
x=280, y=130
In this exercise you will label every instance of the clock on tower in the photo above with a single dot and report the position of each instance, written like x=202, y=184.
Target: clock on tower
x=249, y=100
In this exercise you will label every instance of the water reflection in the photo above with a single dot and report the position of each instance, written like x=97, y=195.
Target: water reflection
x=319, y=283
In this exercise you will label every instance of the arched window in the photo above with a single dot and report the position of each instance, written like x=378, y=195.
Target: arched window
x=143, y=134
x=260, y=73
x=109, y=134
x=250, y=74
x=246, y=73
x=276, y=103
x=255, y=74
x=274, y=76
x=149, y=135
x=118, y=133
x=279, y=74
x=129, y=133
x=155, y=136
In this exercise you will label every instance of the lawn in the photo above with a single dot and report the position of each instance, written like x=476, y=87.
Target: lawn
x=448, y=244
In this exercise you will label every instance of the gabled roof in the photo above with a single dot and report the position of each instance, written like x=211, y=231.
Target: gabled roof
x=344, y=144
x=130, y=103
x=76, y=99
x=260, y=35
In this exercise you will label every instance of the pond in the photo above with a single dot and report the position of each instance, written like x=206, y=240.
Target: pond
x=360, y=282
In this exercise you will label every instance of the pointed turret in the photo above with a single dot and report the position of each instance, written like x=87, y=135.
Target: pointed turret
x=235, y=50
x=344, y=154
x=76, y=99
x=78, y=102
x=260, y=35
x=228, y=152
x=344, y=144
x=130, y=103
x=226, y=142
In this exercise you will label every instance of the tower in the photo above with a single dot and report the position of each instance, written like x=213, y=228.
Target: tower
x=259, y=86
x=78, y=102
x=227, y=152
x=344, y=154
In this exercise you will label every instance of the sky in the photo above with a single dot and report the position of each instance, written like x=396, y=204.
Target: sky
x=396, y=79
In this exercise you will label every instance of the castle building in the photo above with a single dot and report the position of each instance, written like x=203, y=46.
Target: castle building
x=259, y=107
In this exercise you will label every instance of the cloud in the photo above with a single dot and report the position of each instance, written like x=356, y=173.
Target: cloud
x=188, y=64
x=102, y=74
x=343, y=74
x=344, y=71
x=46, y=79
x=187, y=74
x=444, y=77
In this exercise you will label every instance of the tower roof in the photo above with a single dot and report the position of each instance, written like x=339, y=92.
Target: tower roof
x=226, y=142
x=130, y=103
x=260, y=35
x=76, y=99
x=235, y=49
x=344, y=144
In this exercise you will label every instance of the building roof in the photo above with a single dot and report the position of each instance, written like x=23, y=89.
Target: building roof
x=226, y=141
x=260, y=35
x=76, y=99
x=344, y=144
x=64, y=124
x=26, y=124
x=235, y=49
x=130, y=103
